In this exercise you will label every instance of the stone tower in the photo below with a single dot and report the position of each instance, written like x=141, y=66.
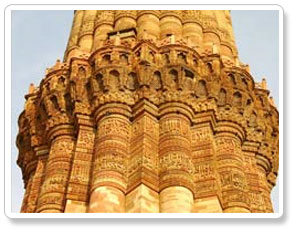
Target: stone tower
x=150, y=111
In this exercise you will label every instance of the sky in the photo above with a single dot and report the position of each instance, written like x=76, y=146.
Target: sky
x=40, y=37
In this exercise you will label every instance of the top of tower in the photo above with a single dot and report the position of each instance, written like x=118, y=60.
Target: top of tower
x=207, y=31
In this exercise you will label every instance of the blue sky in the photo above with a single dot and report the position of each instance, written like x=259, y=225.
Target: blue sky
x=40, y=37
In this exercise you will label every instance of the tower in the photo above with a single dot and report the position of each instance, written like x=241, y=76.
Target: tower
x=150, y=111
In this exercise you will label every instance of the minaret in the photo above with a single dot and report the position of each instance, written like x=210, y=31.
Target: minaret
x=205, y=28
x=150, y=111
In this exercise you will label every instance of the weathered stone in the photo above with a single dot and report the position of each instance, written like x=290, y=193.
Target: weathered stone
x=150, y=111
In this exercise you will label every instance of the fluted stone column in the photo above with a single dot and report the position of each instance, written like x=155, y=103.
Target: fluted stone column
x=230, y=29
x=226, y=42
x=192, y=28
x=86, y=33
x=250, y=149
x=103, y=25
x=229, y=162
x=125, y=19
x=25, y=202
x=74, y=35
x=148, y=24
x=110, y=159
x=54, y=188
x=37, y=179
x=210, y=32
x=220, y=18
x=28, y=162
x=176, y=185
x=263, y=166
x=170, y=23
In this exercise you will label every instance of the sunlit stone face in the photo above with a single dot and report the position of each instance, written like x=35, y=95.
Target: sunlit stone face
x=150, y=111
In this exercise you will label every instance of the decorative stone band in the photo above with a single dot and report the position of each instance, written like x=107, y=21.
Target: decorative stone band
x=189, y=16
x=177, y=108
x=263, y=162
x=60, y=130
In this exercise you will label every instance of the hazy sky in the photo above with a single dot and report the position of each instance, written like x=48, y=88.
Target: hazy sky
x=40, y=37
